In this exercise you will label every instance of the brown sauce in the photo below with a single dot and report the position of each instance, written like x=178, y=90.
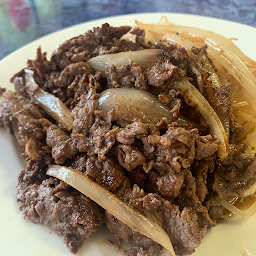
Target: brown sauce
x=242, y=203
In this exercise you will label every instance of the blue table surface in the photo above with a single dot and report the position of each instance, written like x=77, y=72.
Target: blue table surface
x=22, y=21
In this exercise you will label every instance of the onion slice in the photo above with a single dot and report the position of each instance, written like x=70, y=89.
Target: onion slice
x=231, y=208
x=214, y=86
x=237, y=69
x=206, y=110
x=134, y=105
x=211, y=88
x=144, y=58
x=160, y=29
x=52, y=105
x=219, y=47
x=239, y=214
x=250, y=191
x=112, y=204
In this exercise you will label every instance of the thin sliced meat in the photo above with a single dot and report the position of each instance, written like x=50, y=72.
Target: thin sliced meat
x=73, y=216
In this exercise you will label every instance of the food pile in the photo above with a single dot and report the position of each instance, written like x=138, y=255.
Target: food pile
x=149, y=116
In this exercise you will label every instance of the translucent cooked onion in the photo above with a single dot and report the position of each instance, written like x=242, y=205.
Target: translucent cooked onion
x=52, y=105
x=144, y=58
x=240, y=104
x=112, y=204
x=176, y=39
x=231, y=208
x=219, y=47
x=134, y=105
x=208, y=113
x=187, y=44
x=213, y=86
x=246, y=116
x=250, y=191
x=162, y=29
x=238, y=214
x=239, y=72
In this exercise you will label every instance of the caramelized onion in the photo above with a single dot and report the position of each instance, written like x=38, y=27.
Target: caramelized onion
x=112, y=204
x=134, y=105
x=208, y=113
x=52, y=105
x=144, y=58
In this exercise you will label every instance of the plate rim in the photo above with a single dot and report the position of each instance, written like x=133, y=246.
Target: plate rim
x=113, y=18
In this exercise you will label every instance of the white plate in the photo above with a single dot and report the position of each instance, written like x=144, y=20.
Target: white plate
x=21, y=237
